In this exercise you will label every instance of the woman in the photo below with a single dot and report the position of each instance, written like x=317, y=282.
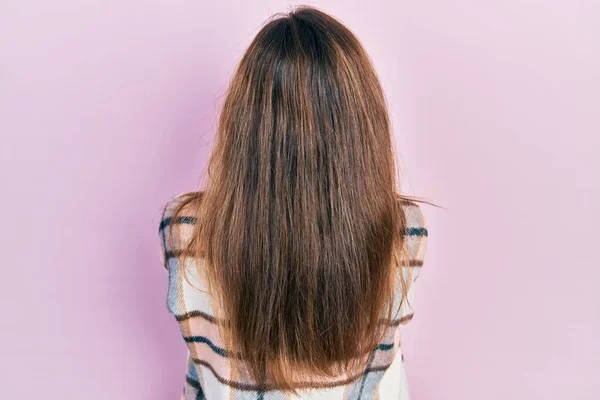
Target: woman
x=290, y=273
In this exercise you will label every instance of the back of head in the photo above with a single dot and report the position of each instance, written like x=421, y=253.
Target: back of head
x=300, y=220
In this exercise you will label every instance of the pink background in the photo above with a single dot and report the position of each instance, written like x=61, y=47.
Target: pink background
x=107, y=109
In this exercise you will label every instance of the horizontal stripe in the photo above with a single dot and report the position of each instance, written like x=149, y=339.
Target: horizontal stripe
x=197, y=313
x=403, y=320
x=416, y=232
x=385, y=346
x=202, y=339
x=297, y=385
x=229, y=354
x=188, y=220
x=178, y=253
x=412, y=263
x=214, y=320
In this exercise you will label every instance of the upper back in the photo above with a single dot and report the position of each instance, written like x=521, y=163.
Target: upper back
x=210, y=365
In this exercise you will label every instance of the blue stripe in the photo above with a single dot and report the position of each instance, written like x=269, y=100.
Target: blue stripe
x=196, y=385
x=179, y=220
x=201, y=339
x=385, y=346
x=192, y=220
x=364, y=378
x=416, y=232
x=225, y=353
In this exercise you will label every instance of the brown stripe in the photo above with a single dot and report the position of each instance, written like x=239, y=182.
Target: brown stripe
x=299, y=385
x=178, y=253
x=197, y=313
x=403, y=320
x=413, y=263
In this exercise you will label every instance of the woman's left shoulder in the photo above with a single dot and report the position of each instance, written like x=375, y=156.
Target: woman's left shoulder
x=176, y=230
x=171, y=205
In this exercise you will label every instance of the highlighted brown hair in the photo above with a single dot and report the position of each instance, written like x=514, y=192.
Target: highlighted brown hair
x=301, y=224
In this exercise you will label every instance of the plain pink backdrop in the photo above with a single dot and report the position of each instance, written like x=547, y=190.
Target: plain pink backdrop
x=107, y=108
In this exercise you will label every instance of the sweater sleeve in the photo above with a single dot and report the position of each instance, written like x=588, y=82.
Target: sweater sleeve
x=188, y=292
x=415, y=235
x=174, y=235
x=164, y=231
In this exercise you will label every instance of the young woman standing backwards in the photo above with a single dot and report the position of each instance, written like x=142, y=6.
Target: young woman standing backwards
x=290, y=273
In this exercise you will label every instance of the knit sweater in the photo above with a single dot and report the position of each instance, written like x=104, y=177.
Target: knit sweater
x=209, y=365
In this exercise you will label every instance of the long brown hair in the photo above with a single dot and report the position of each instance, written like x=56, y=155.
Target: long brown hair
x=301, y=224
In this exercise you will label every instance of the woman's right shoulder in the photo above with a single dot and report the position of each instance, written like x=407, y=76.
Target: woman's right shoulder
x=414, y=215
x=415, y=230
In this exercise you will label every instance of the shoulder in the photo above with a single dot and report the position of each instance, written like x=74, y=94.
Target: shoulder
x=415, y=231
x=177, y=218
x=170, y=207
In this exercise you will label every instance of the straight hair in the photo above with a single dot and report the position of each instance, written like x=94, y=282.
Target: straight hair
x=300, y=225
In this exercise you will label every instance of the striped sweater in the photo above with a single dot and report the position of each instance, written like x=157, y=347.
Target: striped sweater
x=209, y=365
